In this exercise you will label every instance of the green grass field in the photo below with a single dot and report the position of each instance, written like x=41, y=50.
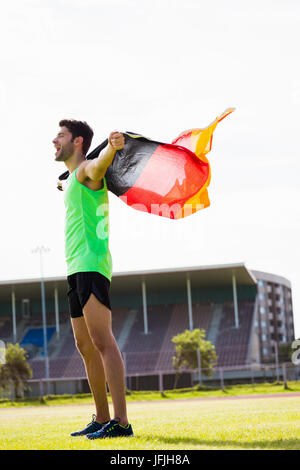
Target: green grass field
x=192, y=424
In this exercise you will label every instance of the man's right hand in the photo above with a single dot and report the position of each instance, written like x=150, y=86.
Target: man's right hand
x=116, y=140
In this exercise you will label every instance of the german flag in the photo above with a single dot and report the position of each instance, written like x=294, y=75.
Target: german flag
x=169, y=180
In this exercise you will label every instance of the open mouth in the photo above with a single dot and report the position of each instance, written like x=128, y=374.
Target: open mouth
x=58, y=149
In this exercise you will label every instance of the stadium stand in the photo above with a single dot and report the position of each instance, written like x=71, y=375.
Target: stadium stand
x=68, y=347
x=141, y=352
x=177, y=324
x=5, y=327
x=35, y=336
x=232, y=343
x=212, y=291
x=137, y=341
x=202, y=312
x=118, y=319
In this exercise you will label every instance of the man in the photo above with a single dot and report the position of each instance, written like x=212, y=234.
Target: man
x=89, y=269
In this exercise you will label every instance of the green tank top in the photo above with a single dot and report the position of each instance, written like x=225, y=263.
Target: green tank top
x=86, y=228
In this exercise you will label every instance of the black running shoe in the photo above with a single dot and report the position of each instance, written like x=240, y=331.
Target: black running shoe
x=93, y=426
x=111, y=429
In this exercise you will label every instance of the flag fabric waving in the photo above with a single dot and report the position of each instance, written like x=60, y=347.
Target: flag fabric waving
x=168, y=180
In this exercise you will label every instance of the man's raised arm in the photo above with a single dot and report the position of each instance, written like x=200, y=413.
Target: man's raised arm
x=95, y=169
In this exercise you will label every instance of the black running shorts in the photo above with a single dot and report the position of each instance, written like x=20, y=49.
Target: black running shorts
x=81, y=286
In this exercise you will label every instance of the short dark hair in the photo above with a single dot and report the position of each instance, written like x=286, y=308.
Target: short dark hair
x=79, y=129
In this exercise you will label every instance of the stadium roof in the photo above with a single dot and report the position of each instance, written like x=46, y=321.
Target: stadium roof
x=130, y=281
x=200, y=276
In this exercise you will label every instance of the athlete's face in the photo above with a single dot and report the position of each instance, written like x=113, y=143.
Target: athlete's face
x=63, y=144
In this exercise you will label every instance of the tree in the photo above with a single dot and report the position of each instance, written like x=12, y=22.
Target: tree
x=4, y=379
x=16, y=370
x=186, y=345
x=285, y=352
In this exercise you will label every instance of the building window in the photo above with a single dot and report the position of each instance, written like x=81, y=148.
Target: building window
x=264, y=337
x=262, y=310
x=260, y=283
x=265, y=351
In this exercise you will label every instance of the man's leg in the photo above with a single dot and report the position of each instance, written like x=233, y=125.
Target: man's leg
x=93, y=366
x=98, y=321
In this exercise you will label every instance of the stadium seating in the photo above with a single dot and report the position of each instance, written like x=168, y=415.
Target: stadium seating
x=154, y=351
x=142, y=350
x=202, y=313
x=232, y=343
x=5, y=327
x=68, y=347
x=158, y=319
x=118, y=318
x=35, y=336
x=179, y=322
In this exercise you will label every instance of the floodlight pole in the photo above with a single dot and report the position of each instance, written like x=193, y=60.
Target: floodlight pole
x=189, y=296
x=146, y=330
x=14, y=321
x=41, y=250
x=235, y=301
x=56, y=304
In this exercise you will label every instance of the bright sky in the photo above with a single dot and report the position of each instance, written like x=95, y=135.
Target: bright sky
x=156, y=68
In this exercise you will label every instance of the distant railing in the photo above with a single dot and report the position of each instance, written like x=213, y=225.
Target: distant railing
x=219, y=377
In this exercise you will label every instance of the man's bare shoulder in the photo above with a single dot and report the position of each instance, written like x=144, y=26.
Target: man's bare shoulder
x=81, y=171
x=83, y=179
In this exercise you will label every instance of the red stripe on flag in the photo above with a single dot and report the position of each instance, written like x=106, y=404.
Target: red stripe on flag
x=172, y=175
